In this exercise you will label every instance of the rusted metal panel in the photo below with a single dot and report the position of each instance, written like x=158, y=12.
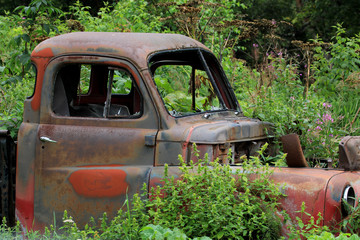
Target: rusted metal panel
x=291, y=146
x=133, y=46
x=40, y=64
x=337, y=184
x=236, y=129
x=25, y=176
x=349, y=153
x=157, y=173
x=307, y=185
x=86, y=191
x=207, y=132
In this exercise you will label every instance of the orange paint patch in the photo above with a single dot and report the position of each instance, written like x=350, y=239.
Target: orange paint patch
x=99, y=183
x=43, y=53
x=25, y=202
x=41, y=59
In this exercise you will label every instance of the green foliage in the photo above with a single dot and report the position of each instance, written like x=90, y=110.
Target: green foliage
x=338, y=63
x=330, y=236
x=37, y=23
x=279, y=98
x=217, y=201
x=129, y=16
x=210, y=22
x=12, y=97
x=280, y=92
x=9, y=233
x=177, y=92
x=314, y=230
x=352, y=222
x=305, y=230
x=159, y=233
x=209, y=200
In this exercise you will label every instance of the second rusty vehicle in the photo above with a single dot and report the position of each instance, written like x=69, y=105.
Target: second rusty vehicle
x=109, y=110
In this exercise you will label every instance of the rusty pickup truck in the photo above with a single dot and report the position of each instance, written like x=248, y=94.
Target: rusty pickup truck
x=109, y=110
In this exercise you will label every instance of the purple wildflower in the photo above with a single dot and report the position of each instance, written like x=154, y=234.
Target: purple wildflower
x=318, y=121
x=327, y=105
x=327, y=117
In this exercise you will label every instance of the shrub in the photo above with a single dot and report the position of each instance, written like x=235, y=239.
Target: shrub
x=338, y=63
x=12, y=96
x=217, y=201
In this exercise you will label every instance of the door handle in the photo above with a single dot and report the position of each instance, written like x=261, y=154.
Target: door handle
x=46, y=139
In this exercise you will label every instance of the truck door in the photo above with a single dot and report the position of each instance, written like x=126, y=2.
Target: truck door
x=96, y=138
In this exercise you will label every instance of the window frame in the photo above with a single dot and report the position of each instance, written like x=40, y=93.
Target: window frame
x=230, y=102
x=123, y=66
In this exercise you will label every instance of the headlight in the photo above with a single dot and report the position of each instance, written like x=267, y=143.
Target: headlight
x=348, y=201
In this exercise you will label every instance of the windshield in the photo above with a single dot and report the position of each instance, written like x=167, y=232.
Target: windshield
x=190, y=82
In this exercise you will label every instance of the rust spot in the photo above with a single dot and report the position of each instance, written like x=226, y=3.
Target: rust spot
x=99, y=183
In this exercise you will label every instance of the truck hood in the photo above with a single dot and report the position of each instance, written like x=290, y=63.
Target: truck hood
x=229, y=131
x=217, y=131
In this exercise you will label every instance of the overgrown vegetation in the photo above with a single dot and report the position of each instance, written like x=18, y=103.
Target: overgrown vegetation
x=306, y=87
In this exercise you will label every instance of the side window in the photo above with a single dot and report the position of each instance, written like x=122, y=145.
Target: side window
x=96, y=91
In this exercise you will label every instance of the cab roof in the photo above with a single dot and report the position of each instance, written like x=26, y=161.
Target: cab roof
x=134, y=46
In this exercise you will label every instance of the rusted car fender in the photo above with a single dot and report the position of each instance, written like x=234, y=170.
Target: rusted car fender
x=321, y=190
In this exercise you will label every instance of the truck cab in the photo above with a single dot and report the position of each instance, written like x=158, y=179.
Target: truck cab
x=108, y=109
